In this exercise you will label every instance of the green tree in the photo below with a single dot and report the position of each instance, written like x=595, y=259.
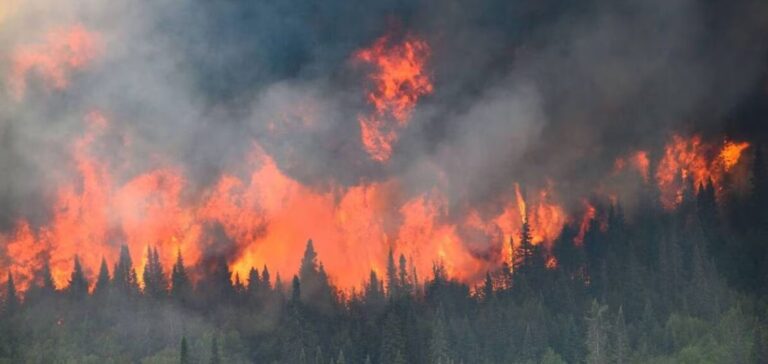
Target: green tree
x=295, y=290
x=124, y=275
x=11, y=296
x=155, y=282
x=597, y=334
x=102, y=281
x=181, y=288
x=620, y=345
x=393, y=285
x=78, y=285
x=392, y=341
x=438, y=345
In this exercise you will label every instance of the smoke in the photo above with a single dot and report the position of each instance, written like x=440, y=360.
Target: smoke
x=529, y=92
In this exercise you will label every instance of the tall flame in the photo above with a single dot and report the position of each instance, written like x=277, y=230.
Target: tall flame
x=399, y=79
x=692, y=160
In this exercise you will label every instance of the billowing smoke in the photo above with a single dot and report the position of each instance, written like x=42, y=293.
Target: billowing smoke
x=256, y=112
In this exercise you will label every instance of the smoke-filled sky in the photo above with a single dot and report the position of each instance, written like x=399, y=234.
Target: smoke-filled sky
x=538, y=93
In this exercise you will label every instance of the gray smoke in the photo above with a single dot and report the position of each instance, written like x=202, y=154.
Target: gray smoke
x=524, y=91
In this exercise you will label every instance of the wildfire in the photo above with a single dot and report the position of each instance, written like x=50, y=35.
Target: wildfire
x=398, y=80
x=731, y=153
x=590, y=212
x=544, y=216
x=691, y=160
x=63, y=51
x=639, y=162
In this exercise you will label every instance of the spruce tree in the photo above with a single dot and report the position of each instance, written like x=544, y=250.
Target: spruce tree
x=48, y=287
x=620, y=347
x=597, y=334
x=102, y=282
x=254, y=284
x=11, y=297
x=488, y=287
x=124, y=275
x=155, y=282
x=78, y=285
x=438, y=345
x=393, y=285
x=181, y=288
x=266, y=283
x=392, y=341
x=295, y=290
x=404, y=280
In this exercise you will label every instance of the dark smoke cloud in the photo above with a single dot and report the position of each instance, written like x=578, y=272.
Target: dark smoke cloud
x=524, y=91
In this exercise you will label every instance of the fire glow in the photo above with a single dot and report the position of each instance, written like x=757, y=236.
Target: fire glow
x=64, y=50
x=266, y=219
x=398, y=80
x=261, y=216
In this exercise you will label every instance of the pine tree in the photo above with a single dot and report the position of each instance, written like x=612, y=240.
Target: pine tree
x=78, y=285
x=314, y=281
x=181, y=288
x=488, y=287
x=373, y=290
x=102, y=282
x=392, y=341
x=124, y=275
x=238, y=285
x=393, y=285
x=266, y=283
x=319, y=355
x=340, y=359
x=438, y=345
x=254, y=284
x=11, y=296
x=524, y=251
x=184, y=357
x=620, y=340
x=597, y=334
x=295, y=290
x=48, y=287
x=404, y=280
x=155, y=282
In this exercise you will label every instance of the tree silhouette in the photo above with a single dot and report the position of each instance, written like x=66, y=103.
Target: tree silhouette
x=78, y=285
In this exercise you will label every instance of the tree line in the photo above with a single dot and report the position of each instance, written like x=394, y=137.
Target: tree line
x=688, y=285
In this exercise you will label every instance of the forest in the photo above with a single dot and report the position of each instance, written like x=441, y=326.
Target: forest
x=687, y=285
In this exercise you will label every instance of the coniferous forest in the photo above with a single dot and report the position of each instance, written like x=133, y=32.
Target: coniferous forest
x=681, y=286
x=384, y=181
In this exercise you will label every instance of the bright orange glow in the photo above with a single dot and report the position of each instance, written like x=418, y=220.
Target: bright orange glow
x=691, y=159
x=263, y=219
x=731, y=153
x=544, y=216
x=589, y=214
x=63, y=51
x=398, y=79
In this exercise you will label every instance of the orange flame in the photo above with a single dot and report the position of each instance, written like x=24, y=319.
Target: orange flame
x=64, y=50
x=399, y=79
x=731, y=153
x=690, y=159
x=589, y=214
